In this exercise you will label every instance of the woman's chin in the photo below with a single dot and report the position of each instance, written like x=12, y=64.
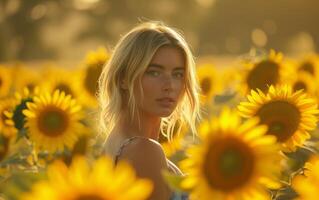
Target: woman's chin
x=162, y=112
x=165, y=113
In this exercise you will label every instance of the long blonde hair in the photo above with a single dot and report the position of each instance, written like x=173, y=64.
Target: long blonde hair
x=128, y=62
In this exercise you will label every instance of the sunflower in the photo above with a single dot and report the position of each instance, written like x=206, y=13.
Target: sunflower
x=303, y=80
x=99, y=181
x=234, y=160
x=207, y=78
x=261, y=74
x=8, y=132
x=310, y=65
x=63, y=80
x=53, y=121
x=5, y=81
x=6, y=126
x=29, y=80
x=15, y=117
x=289, y=115
x=90, y=75
x=82, y=147
x=307, y=185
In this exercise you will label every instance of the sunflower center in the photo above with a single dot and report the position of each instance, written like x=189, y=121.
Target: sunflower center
x=89, y=197
x=206, y=85
x=300, y=85
x=276, y=127
x=91, y=79
x=229, y=164
x=263, y=74
x=308, y=67
x=281, y=117
x=53, y=121
x=65, y=88
x=31, y=86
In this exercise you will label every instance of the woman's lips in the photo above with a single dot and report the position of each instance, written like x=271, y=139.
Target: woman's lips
x=166, y=102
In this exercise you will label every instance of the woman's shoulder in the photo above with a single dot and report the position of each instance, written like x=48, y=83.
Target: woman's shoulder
x=140, y=142
x=148, y=159
x=141, y=150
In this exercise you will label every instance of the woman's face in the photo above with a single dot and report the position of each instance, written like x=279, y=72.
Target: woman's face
x=163, y=82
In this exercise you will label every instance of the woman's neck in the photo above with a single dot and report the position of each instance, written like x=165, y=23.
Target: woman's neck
x=149, y=126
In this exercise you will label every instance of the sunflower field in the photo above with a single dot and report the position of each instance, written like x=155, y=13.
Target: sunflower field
x=258, y=137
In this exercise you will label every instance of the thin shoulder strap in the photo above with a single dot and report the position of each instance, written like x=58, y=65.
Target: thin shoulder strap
x=125, y=143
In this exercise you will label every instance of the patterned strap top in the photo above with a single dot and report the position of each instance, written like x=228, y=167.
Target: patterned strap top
x=125, y=143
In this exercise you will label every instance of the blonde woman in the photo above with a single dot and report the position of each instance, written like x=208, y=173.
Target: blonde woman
x=147, y=88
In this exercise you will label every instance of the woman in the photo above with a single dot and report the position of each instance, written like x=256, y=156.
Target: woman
x=147, y=88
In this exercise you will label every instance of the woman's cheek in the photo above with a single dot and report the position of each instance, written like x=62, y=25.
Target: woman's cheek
x=149, y=84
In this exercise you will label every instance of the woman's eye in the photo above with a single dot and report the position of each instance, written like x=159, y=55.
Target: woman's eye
x=153, y=73
x=179, y=75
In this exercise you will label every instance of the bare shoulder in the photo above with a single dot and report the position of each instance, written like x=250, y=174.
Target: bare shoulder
x=142, y=151
x=148, y=159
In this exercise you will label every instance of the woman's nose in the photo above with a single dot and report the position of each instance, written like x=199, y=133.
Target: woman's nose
x=167, y=83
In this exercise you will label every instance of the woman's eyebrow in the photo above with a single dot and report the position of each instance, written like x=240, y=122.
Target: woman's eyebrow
x=162, y=67
x=179, y=68
x=155, y=65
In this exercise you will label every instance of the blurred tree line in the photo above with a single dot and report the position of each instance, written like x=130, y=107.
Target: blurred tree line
x=57, y=29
